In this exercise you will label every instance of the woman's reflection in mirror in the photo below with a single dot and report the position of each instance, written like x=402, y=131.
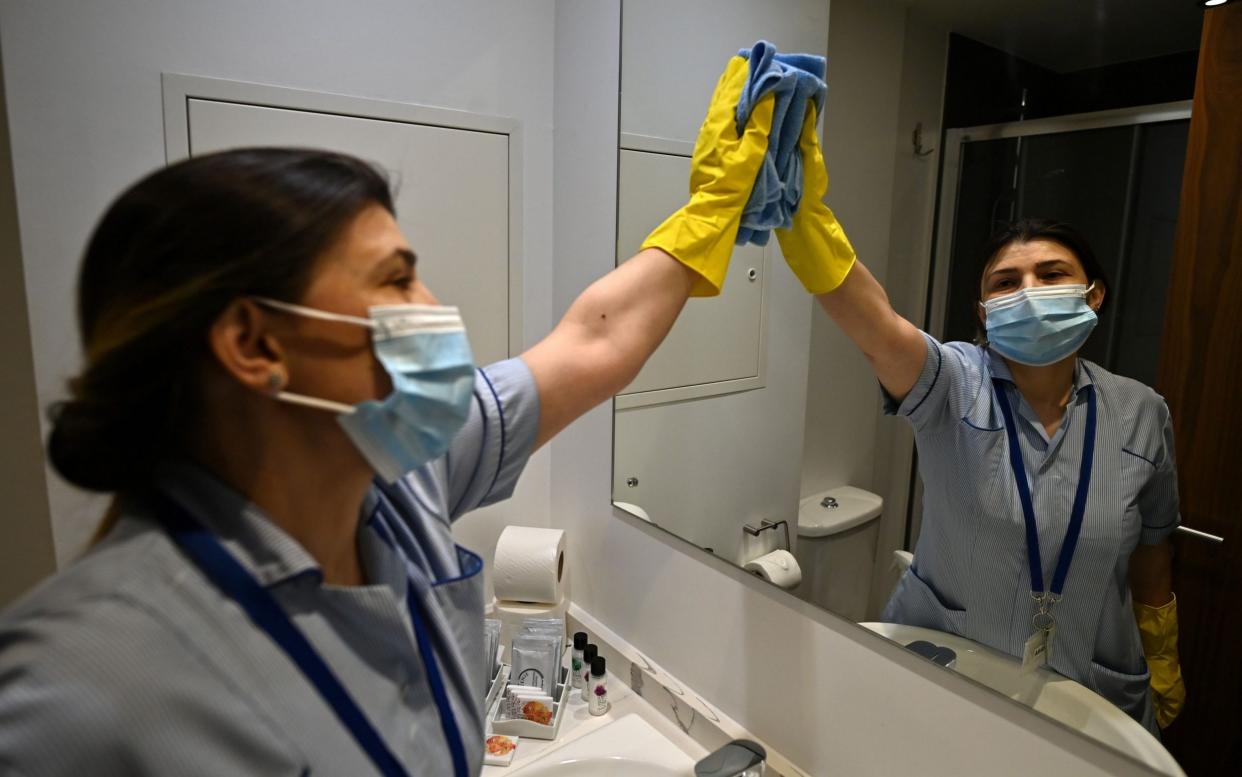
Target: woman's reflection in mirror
x=1050, y=487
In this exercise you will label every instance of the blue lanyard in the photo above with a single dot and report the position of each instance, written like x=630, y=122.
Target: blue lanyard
x=1028, y=509
x=235, y=582
x=448, y=721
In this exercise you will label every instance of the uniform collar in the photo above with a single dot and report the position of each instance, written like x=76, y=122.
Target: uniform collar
x=999, y=368
x=266, y=551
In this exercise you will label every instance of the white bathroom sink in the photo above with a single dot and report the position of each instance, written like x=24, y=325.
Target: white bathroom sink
x=1047, y=692
x=605, y=767
x=628, y=747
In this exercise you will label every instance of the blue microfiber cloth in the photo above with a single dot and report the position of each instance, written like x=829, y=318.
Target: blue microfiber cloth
x=794, y=78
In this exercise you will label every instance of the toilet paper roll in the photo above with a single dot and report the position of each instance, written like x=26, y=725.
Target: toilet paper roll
x=529, y=565
x=779, y=567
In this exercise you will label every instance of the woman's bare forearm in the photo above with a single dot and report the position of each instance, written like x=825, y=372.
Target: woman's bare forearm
x=606, y=336
x=1151, y=574
x=895, y=348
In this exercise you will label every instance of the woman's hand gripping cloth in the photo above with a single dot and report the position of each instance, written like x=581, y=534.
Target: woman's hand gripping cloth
x=723, y=168
x=794, y=80
x=815, y=247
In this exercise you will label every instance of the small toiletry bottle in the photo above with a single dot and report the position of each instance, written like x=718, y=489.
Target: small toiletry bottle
x=588, y=655
x=577, y=667
x=599, y=687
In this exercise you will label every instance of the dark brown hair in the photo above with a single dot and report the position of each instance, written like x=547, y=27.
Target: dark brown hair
x=167, y=258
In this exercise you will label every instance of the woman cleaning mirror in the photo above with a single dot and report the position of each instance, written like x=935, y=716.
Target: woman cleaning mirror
x=1049, y=483
x=290, y=423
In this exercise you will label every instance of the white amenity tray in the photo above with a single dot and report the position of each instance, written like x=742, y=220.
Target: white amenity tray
x=529, y=728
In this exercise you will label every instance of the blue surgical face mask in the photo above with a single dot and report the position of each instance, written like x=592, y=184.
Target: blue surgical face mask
x=426, y=353
x=1040, y=325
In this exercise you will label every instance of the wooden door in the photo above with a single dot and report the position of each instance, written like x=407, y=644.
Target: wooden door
x=1201, y=377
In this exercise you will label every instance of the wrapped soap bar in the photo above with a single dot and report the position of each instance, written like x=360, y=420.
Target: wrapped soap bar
x=535, y=706
x=538, y=709
x=499, y=749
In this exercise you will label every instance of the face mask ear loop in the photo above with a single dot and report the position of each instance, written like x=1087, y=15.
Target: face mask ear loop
x=1085, y=293
x=322, y=315
x=316, y=403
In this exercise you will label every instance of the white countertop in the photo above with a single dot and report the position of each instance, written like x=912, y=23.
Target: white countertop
x=578, y=722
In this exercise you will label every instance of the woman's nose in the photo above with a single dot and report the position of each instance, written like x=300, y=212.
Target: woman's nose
x=423, y=296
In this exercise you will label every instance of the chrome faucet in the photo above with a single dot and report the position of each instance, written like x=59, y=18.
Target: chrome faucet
x=739, y=758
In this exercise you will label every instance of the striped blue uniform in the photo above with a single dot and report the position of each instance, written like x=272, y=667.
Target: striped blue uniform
x=970, y=575
x=130, y=662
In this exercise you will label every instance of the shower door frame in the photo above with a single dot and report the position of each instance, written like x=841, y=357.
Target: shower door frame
x=955, y=139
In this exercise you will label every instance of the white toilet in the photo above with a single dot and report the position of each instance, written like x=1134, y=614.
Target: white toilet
x=837, y=534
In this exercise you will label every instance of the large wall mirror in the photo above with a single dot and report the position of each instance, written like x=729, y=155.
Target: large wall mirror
x=758, y=427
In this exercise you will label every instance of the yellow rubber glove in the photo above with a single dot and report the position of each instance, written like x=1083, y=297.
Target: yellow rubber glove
x=1158, y=630
x=815, y=246
x=722, y=173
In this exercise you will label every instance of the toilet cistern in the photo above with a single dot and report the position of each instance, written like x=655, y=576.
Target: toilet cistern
x=838, y=532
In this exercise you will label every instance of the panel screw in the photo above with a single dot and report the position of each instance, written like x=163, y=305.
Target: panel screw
x=752, y=274
x=632, y=482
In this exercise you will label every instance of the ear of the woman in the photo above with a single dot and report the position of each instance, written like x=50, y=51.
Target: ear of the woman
x=1095, y=297
x=245, y=347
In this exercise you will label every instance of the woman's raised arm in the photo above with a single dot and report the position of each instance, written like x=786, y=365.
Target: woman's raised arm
x=819, y=253
x=618, y=322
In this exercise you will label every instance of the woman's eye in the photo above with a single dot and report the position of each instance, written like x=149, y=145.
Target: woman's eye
x=404, y=282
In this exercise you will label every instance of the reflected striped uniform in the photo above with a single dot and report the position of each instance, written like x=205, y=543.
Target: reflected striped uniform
x=970, y=575
x=130, y=662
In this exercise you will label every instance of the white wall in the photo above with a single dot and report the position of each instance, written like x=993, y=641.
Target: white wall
x=924, y=58
x=86, y=120
x=834, y=698
x=860, y=123
x=885, y=73
x=26, y=555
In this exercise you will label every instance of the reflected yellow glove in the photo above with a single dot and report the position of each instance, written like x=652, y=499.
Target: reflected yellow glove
x=722, y=173
x=815, y=246
x=1158, y=630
